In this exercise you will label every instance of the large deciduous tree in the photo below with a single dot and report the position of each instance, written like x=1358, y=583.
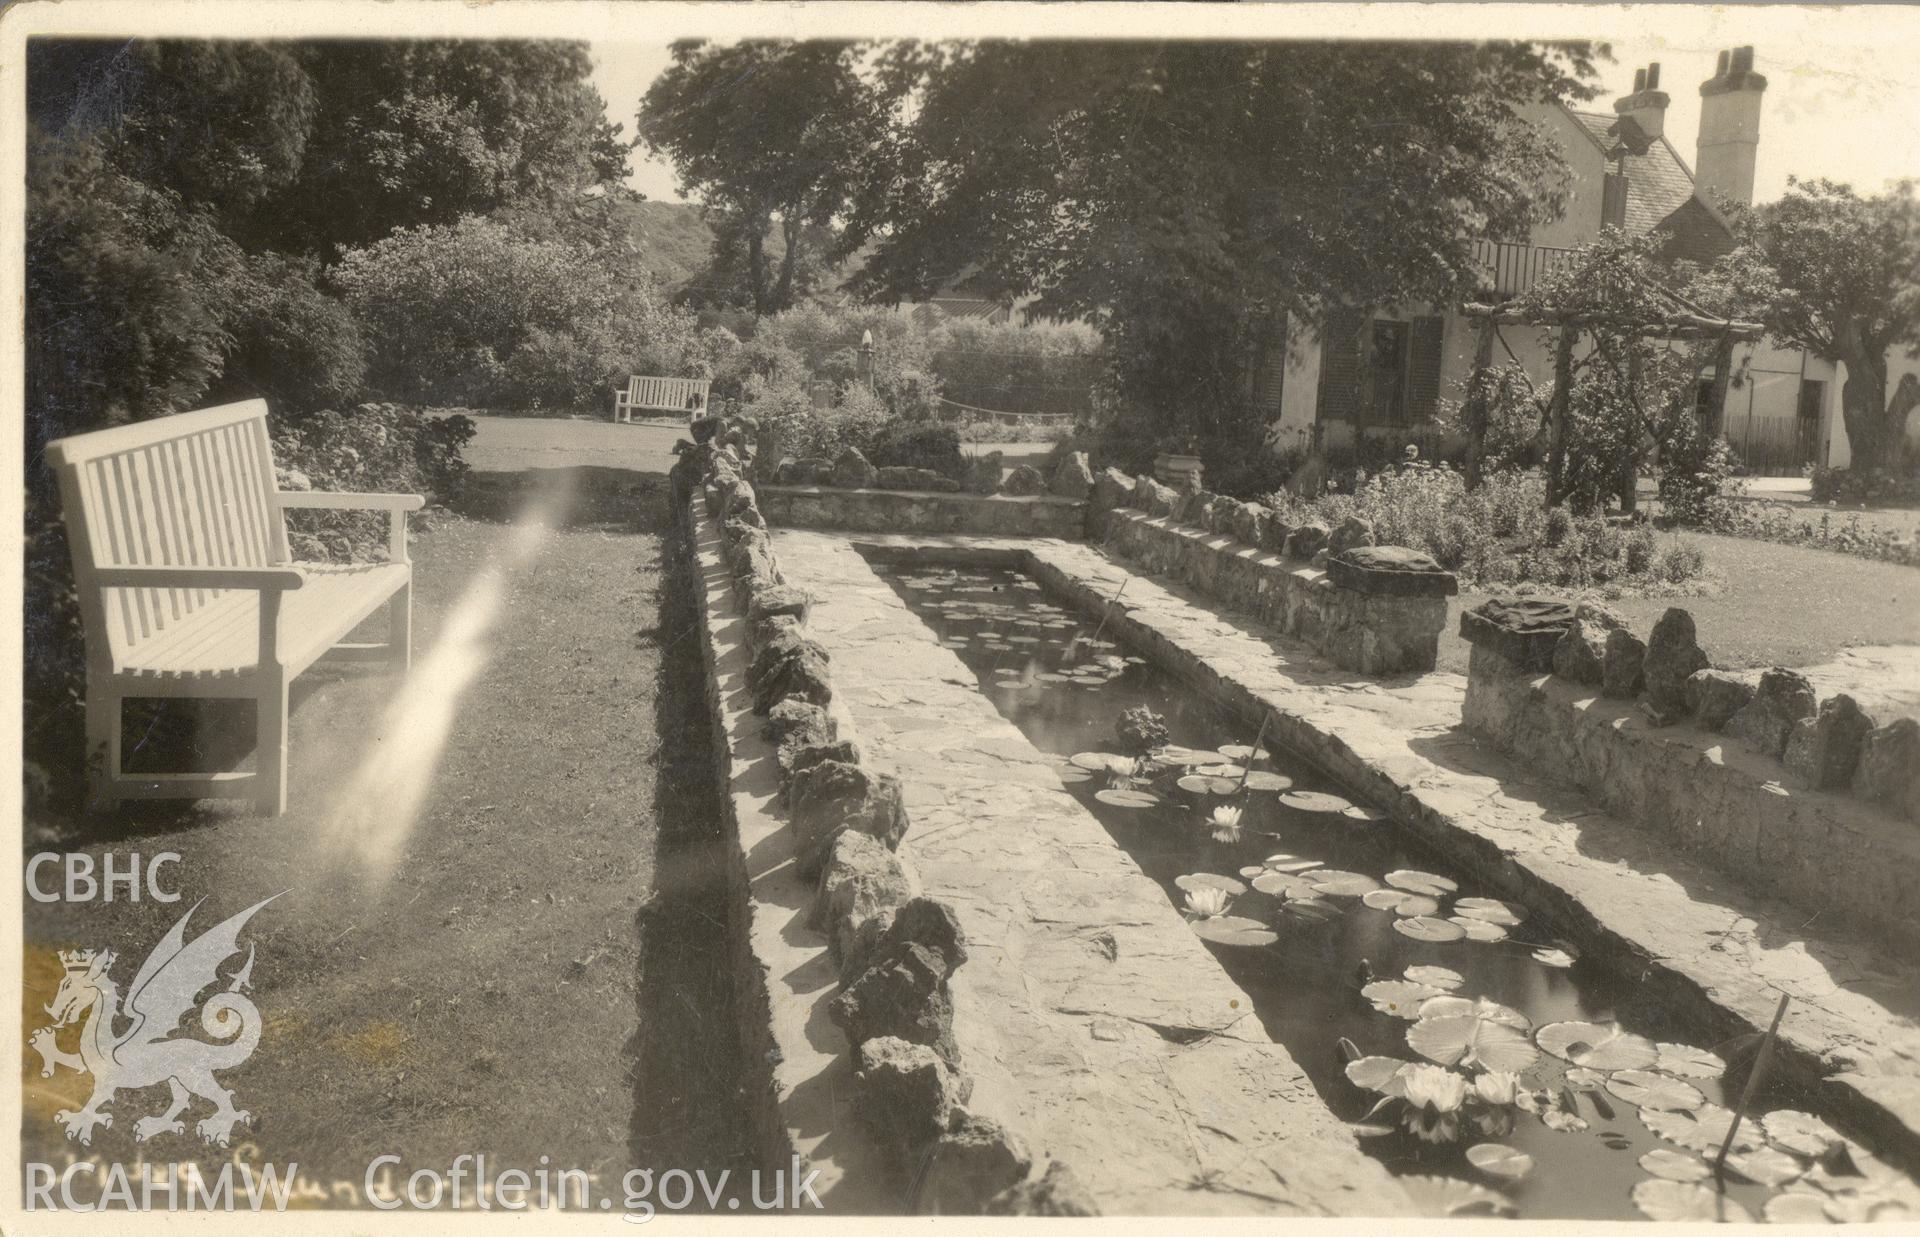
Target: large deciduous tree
x=1183, y=195
x=769, y=134
x=1848, y=289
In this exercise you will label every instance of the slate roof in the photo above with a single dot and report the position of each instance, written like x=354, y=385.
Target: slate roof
x=1658, y=182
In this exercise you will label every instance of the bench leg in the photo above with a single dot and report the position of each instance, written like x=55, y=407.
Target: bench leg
x=270, y=756
x=103, y=749
x=400, y=629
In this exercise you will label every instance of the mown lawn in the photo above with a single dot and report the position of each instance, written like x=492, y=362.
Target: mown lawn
x=1766, y=604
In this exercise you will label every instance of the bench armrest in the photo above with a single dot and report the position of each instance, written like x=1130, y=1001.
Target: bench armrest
x=265, y=579
x=395, y=505
x=349, y=501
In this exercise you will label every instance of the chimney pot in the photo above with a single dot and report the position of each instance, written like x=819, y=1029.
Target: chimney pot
x=1730, y=126
x=1653, y=76
x=1639, y=80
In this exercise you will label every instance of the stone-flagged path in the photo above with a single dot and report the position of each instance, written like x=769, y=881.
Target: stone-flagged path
x=1092, y=1020
x=1719, y=956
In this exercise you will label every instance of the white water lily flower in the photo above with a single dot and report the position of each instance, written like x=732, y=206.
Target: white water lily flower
x=1496, y=1087
x=1206, y=903
x=1226, y=824
x=1432, y=1086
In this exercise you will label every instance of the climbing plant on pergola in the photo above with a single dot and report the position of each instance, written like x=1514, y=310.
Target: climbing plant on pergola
x=1610, y=296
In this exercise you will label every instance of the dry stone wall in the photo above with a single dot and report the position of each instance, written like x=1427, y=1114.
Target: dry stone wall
x=1375, y=609
x=892, y=951
x=1805, y=799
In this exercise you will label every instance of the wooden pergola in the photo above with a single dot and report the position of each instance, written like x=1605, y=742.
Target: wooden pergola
x=1679, y=319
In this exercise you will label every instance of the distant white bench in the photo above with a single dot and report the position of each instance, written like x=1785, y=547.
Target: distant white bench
x=179, y=548
x=686, y=397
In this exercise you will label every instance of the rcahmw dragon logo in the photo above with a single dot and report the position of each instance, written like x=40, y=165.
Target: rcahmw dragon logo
x=145, y=1054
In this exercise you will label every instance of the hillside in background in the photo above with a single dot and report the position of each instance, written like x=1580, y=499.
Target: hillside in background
x=674, y=242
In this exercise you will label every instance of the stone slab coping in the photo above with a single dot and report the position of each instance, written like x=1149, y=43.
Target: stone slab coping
x=1718, y=956
x=1392, y=570
x=1091, y=1019
x=952, y=496
x=787, y=972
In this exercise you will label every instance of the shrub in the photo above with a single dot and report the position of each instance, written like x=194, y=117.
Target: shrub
x=1695, y=468
x=371, y=448
x=1500, y=533
x=289, y=341
x=477, y=313
x=918, y=444
x=1874, y=487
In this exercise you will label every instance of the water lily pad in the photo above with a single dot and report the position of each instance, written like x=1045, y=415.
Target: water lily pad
x=1196, y=784
x=1478, y=929
x=1500, y=1160
x=1315, y=801
x=1669, y=1165
x=1562, y=1122
x=1401, y=902
x=1210, y=880
x=1441, y=1197
x=1310, y=910
x=1435, y=977
x=1221, y=770
x=1127, y=798
x=1768, y=1166
x=1173, y=754
x=1421, y=882
x=1598, y=1045
x=1478, y=1007
x=1285, y=885
x=1659, y=1199
x=1683, y=1061
x=1470, y=1040
x=1252, y=870
x=1234, y=930
x=1337, y=884
x=1372, y=816
x=1049, y=676
x=1799, y=1131
x=1427, y=928
x=1240, y=751
x=1796, y=1207
x=1102, y=762
x=1265, y=782
x=1650, y=1090
x=1489, y=910
x=1072, y=775
x=1553, y=957
x=1382, y=1074
x=1703, y=1129
x=1397, y=997
x=1581, y=1078
x=1290, y=863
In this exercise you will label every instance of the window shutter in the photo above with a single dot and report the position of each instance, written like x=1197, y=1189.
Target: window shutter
x=1269, y=377
x=1423, y=368
x=1340, y=367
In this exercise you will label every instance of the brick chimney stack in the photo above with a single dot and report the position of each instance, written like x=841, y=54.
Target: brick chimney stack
x=1647, y=105
x=1730, y=126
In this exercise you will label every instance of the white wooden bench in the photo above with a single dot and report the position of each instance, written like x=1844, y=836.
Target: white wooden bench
x=179, y=548
x=685, y=397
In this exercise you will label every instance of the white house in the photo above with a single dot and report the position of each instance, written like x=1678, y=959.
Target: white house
x=1382, y=372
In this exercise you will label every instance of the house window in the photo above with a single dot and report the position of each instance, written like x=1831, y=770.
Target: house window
x=1380, y=371
x=1388, y=365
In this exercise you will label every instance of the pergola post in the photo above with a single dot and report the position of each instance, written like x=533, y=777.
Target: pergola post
x=1722, y=378
x=1557, y=413
x=1629, y=486
x=1477, y=400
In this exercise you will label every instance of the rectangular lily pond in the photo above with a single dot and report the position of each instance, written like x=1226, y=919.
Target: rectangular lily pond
x=1482, y=1061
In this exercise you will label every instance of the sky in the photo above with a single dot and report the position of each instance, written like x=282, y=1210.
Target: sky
x=1847, y=112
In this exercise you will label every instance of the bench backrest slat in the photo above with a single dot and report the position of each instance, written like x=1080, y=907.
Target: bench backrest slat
x=667, y=394
x=191, y=490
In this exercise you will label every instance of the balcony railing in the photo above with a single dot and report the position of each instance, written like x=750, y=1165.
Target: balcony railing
x=1512, y=269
